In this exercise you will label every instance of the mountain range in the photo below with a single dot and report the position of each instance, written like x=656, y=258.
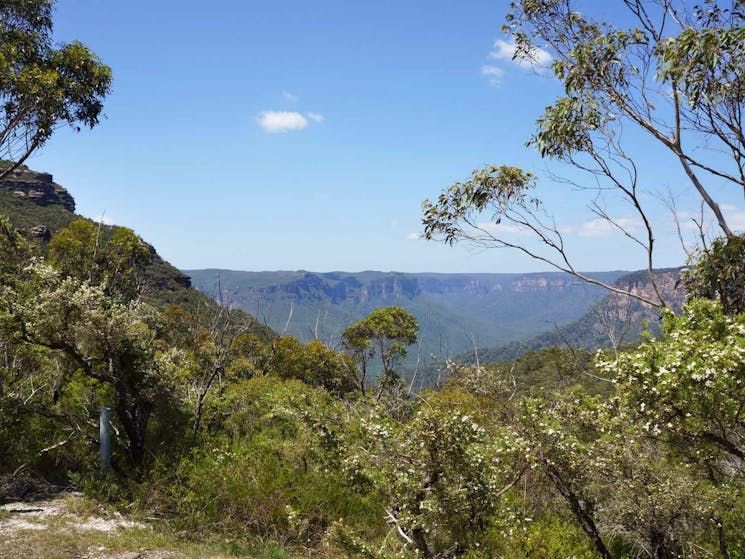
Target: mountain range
x=490, y=317
x=456, y=312
x=613, y=321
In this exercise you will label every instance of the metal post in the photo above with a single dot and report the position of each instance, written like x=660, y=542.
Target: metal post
x=105, y=437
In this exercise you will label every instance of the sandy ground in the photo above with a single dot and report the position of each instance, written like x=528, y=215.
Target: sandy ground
x=35, y=515
x=19, y=522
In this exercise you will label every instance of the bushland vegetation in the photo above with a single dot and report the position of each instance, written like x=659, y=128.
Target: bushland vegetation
x=224, y=430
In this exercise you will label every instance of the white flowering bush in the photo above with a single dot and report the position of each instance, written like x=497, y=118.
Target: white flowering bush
x=443, y=473
x=102, y=345
x=688, y=388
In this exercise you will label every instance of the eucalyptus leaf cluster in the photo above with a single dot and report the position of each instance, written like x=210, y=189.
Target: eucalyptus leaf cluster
x=43, y=85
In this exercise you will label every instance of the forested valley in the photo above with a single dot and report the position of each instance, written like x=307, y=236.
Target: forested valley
x=237, y=440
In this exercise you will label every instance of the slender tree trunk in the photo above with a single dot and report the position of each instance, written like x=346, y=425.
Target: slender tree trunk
x=586, y=522
x=134, y=418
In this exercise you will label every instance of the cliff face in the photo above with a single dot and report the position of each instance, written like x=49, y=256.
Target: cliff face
x=396, y=288
x=453, y=310
x=38, y=188
x=38, y=207
x=614, y=319
x=545, y=284
x=483, y=285
x=668, y=283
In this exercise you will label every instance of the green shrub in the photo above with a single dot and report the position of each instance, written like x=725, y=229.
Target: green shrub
x=274, y=474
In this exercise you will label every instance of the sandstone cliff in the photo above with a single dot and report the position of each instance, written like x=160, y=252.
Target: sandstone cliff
x=38, y=188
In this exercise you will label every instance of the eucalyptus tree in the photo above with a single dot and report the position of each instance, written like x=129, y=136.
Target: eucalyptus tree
x=385, y=332
x=81, y=307
x=669, y=70
x=42, y=86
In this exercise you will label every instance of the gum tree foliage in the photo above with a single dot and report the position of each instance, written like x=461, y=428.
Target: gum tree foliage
x=719, y=273
x=385, y=333
x=105, y=340
x=15, y=251
x=42, y=86
x=205, y=351
x=15, y=363
x=114, y=260
x=673, y=71
x=313, y=363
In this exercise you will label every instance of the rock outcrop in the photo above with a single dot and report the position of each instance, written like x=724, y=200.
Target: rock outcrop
x=38, y=188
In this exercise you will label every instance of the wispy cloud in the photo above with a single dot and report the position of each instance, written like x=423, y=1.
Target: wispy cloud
x=104, y=219
x=414, y=236
x=536, y=59
x=505, y=52
x=289, y=96
x=493, y=73
x=599, y=227
x=734, y=215
x=503, y=229
x=276, y=122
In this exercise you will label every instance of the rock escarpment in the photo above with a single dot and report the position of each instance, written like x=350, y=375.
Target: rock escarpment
x=38, y=188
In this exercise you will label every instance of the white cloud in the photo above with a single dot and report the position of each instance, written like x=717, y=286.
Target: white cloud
x=600, y=227
x=493, y=73
x=104, y=219
x=276, y=122
x=734, y=215
x=687, y=220
x=537, y=58
x=735, y=219
x=414, y=236
x=289, y=96
x=503, y=229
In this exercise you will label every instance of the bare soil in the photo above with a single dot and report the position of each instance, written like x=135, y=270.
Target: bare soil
x=67, y=526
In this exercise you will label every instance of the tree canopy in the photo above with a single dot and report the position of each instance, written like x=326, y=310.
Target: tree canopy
x=672, y=71
x=42, y=86
x=385, y=332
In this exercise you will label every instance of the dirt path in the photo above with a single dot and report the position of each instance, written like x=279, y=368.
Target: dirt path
x=38, y=515
x=67, y=526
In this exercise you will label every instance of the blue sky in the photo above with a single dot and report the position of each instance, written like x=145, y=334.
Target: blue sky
x=298, y=135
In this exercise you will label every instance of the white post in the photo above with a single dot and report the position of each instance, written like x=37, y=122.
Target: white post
x=105, y=437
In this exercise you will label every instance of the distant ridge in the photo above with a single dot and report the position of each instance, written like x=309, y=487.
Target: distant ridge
x=455, y=311
x=612, y=319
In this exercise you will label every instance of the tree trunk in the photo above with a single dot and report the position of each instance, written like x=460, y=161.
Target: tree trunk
x=134, y=418
x=586, y=522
